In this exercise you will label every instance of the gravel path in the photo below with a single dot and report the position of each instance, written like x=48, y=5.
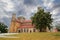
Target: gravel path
x=6, y=35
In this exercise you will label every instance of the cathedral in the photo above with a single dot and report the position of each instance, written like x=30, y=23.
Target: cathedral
x=20, y=24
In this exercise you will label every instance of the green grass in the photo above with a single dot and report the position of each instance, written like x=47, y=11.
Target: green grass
x=35, y=36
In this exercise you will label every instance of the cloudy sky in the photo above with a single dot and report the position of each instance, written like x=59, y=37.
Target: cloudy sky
x=27, y=8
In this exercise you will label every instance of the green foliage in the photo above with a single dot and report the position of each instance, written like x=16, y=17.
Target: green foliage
x=42, y=19
x=3, y=28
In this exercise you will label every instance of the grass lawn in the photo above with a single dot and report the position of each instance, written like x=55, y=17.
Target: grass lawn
x=35, y=36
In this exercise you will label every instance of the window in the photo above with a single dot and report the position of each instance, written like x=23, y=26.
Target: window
x=30, y=31
x=27, y=30
x=24, y=30
x=19, y=31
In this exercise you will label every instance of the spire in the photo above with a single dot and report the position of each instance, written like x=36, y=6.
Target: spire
x=13, y=17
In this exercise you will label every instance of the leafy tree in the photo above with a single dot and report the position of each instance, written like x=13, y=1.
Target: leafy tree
x=3, y=28
x=41, y=19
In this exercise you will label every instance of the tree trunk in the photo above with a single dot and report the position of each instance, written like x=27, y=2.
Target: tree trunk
x=44, y=29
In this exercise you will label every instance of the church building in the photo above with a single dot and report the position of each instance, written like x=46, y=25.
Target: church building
x=20, y=24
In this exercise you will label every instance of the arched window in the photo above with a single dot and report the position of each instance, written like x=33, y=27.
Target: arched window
x=27, y=29
x=19, y=31
x=24, y=30
x=30, y=31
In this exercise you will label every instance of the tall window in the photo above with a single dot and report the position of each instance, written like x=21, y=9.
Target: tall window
x=27, y=29
x=24, y=30
x=19, y=31
x=30, y=31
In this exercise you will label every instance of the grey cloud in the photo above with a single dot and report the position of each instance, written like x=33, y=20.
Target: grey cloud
x=30, y=2
x=6, y=21
x=24, y=7
x=33, y=2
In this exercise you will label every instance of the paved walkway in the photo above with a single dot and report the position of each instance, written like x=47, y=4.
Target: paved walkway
x=6, y=35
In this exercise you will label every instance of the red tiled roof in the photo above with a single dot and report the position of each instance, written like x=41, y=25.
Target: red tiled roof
x=24, y=21
x=26, y=25
x=30, y=26
x=27, y=21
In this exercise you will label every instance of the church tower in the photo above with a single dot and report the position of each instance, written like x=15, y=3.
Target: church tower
x=12, y=25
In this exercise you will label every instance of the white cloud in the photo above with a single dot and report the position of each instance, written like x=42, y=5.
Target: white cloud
x=56, y=11
x=56, y=15
x=29, y=10
x=5, y=7
x=18, y=7
x=9, y=5
x=48, y=3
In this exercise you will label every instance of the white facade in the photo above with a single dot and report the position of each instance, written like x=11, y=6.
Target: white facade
x=26, y=30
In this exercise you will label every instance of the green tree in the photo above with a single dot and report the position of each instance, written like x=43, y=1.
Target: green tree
x=41, y=19
x=3, y=28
